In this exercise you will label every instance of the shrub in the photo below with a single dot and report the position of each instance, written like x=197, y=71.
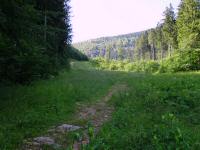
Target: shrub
x=113, y=66
x=151, y=66
x=185, y=60
x=129, y=67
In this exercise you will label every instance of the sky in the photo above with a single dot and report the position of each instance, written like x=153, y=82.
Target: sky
x=98, y=18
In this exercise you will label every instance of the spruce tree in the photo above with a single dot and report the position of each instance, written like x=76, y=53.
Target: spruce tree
x=170, y=29
x=35, y=38
x=188, y=22
x=108, y=52
x=152, y=43
x=142, y=47
x=161, y=44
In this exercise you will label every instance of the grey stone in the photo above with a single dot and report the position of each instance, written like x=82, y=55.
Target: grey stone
x=44, y=140
x=36, y=144
x=67, y=128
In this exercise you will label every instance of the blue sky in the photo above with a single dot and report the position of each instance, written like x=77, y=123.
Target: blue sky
x=97, y=18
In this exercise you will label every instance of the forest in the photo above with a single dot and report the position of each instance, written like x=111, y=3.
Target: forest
x=35, y=37
x=119, y=47
x=137, y=91
x=172, y=46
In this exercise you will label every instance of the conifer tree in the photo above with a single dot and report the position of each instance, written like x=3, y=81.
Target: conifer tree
x=108, y=52
x=35, y=38
x=142, y=46
x=170, y=29
x=152, y=43
x=120, y=50
x=188, y=22
x=161, y=44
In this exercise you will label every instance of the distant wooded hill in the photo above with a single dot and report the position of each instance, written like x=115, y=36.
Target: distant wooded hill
x=117, y=47
x=176, y=33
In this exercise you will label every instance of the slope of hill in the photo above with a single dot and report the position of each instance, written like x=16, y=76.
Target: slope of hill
x=114, y=47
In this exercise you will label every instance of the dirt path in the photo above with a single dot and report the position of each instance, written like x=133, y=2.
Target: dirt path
x=96, y=114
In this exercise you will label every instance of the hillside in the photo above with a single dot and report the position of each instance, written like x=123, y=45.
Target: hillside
x=118, y=46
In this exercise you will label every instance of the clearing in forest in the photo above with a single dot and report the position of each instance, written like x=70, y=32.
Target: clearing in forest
x=74, y=109
x=96, y=114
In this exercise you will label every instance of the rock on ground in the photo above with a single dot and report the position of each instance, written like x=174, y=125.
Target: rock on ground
x=44, y=140
x=67, y=128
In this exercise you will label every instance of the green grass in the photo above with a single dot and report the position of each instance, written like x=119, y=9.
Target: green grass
x=27, y=111
x=158, y=110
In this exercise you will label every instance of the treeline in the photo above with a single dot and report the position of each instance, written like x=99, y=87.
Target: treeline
x=174, y=45
x=174, y=34
x=35, y=38
x=77, y=55
x=115, y=47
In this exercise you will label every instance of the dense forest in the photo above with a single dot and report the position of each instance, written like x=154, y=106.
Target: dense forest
x=116, y=47
x=176, y=33
x=35, y=38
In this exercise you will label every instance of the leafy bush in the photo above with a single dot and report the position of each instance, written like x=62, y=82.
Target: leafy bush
x=184, y=60
x=113, y=66
x=189, y=60
x=129, y=67
x=151, y=66
x=143, y=66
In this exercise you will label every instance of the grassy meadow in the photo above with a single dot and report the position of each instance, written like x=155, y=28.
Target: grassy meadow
x=159, y=111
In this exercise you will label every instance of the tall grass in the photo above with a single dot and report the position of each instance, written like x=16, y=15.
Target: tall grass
x=159, y=111
x=28, y=111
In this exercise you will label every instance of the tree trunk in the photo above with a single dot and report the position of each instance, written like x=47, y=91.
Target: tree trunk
x=162, y=51
x=169, y=50
x=45, y=27
x=153, y=52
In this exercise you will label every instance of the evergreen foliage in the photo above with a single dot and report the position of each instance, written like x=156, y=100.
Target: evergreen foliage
x=34, y=38
x=175, y=42
x=77, y=55
x=169, y=28
x=121, y=47
x=188, y=23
